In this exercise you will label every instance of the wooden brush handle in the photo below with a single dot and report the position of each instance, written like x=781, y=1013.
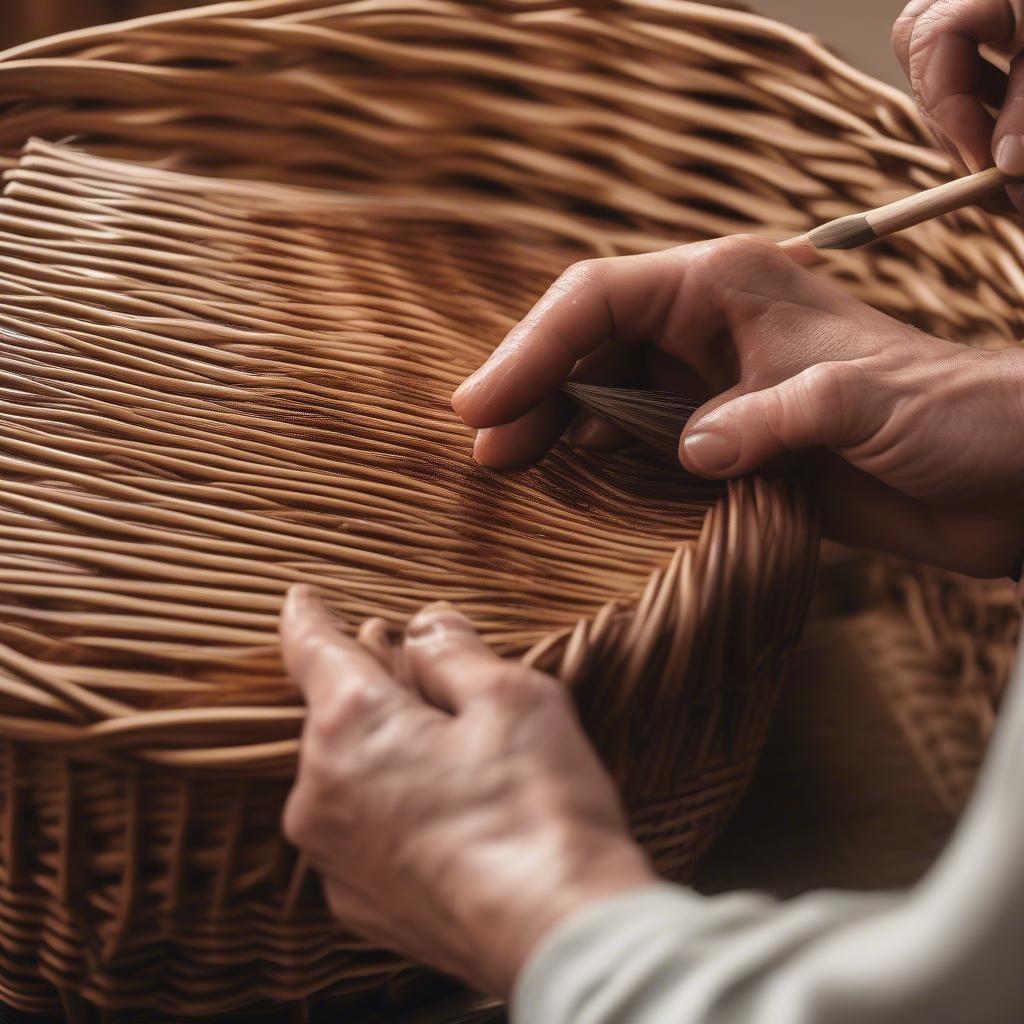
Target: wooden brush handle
x=934, y=202
x=857, y=229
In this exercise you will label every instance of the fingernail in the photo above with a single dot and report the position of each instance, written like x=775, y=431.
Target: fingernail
x=711, y=452
x=1010, y=156
x=480, y=444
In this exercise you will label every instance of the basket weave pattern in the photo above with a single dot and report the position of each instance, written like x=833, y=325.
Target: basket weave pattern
x=215, y=389
x=632, y=124
x=33, y=19
x=189, y=360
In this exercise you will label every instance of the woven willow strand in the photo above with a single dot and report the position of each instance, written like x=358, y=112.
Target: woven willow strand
x=351, y=90
x=126, y=436
x=206, y=398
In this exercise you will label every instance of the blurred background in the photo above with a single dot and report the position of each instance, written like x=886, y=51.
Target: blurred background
x=860, y=31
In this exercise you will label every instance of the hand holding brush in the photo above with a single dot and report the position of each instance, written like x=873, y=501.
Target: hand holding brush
x=658, y=417
x=916, y=440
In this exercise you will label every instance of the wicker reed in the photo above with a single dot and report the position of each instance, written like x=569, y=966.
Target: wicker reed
x=23, y=20
x=188, y=363
x=213, y=389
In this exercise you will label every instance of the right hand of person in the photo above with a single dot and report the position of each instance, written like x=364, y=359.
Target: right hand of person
x=922, y=439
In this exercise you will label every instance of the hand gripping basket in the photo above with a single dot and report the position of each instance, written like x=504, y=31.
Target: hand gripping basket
x=213, y=388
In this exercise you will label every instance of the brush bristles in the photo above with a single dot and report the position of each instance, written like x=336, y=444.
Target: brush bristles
x=844, y=233
x=655, y=417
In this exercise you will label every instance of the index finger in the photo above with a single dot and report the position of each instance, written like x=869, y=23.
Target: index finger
x=320, y=658
x=678, y=298
x=594, y=301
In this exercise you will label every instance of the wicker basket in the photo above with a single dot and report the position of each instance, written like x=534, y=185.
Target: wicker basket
x=215, y=389
x=22, y=20
x=889, y=704
x=149, y=734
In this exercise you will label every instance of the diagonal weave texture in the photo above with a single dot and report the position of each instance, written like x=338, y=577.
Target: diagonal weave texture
x=632, y=124
x=37, y=18
x=211, y=390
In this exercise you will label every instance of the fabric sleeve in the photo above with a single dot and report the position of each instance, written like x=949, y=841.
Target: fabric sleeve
x=947, y=952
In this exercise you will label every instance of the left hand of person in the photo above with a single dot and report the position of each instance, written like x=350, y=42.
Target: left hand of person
x=448, y=798
x=973, y=108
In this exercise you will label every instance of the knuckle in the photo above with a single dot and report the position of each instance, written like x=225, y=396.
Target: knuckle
x=839, y=378
x=515, y=687
x=582, y=274
x=346, y=705
x=818, y=388
x=820, y=379
x=776, y=414
x=738, y=257
x=828, y=396
x=307, y=645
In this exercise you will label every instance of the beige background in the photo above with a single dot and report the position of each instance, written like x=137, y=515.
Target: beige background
x=858, y=29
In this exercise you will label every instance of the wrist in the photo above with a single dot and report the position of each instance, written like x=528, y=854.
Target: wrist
x=1003, y=382
x=586, y=870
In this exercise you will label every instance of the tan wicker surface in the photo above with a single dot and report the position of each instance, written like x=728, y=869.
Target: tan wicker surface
x=191, y=361
x=22, y=20
x=211, y=390
x=643, y=122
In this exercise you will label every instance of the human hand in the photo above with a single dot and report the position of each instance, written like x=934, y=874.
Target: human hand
x=937, y=43
x=925, y=435
x=448, y=798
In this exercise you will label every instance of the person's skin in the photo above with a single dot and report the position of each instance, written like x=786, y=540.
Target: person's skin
x=448, y=798
x=973, y=108
x=923, y=433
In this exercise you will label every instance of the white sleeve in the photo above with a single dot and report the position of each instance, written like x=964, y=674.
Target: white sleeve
x=951, y=951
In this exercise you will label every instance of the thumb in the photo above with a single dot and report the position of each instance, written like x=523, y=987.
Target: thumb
x=1008, y=138
x=818, y=408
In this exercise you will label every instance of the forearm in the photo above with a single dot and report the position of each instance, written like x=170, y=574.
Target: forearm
x=946, y=953
x=665, y=954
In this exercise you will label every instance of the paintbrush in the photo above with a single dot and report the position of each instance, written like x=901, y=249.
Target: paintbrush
x=658, y=417
x=655, y=417
x=858, y=229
